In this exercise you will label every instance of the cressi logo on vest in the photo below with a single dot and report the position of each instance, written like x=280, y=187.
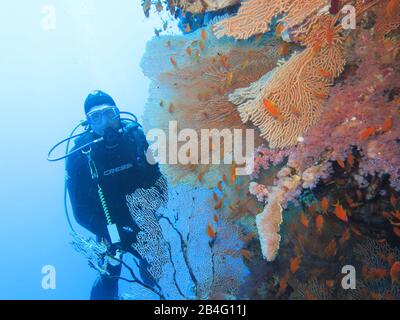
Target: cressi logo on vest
x=118, y=169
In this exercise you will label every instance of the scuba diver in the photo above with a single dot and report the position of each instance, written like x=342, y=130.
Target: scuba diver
x=108, y=162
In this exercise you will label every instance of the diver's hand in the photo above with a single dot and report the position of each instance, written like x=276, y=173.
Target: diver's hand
x=117, y=258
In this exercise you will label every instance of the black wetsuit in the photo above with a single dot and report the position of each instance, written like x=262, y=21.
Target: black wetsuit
x=121, y=168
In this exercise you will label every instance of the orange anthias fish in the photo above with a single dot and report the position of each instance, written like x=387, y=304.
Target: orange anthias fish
x=272, y=109
x=283, y=49
x=378, y=273
x=345, y=236
x=395, y=272
x=210, y=231
x=201, y=45
x=189, y=51
x=229, y=78
x=187, y=29
x=224, y=61
x=171, y=108
x=218, y=205
x=295, y=264
x=219, y=186
x=215, y=197
x=350, y=159
x=340, y=163
x=204, y=34
x=366, y=133
x=387, y=124
x=246, y=253
x=304, y=220
x=279, y=29
x=324, y=204
x=331, y=248
x=325, y=73
x=173, y=61
x=319, y=223
x=196, y=55
x=340, y=212
x=216, y=218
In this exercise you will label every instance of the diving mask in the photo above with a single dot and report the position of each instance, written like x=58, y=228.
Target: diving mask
x=102, y=118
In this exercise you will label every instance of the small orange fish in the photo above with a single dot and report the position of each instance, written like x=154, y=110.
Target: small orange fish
x=283, y=284
x=387, y=124
x=224, y=178
x=366, y=133
x=173, y=61
x=330, y=283
x=215, y=197
x=246, y=253
x=340, y=163
x=350, y=159
x=340, y=212
x=351, y=203
x=279, y=29
x=325, y=73
x=219, y=186
x=272, y=109
x=375, y=296
x=324, y=204
x=345, y=236
x=295, y=264
x=204, y=34
x=304, y=220
x=187, y=29
x=224, y=61
x=378, y=273
x=201, y=45
x=283, y=49
x=196, y=55
x=233, y=174
x=331, y=248
x=395, y=272
x=218, y=205
x=229, y=78
x=319, y=223
x=320, y=95
x=171, y=108
x=356, y=231
x=216, y=218
x=210, y=231
x=200, y=177
x=189, y=51
x=311, y=208
x=249, y=237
